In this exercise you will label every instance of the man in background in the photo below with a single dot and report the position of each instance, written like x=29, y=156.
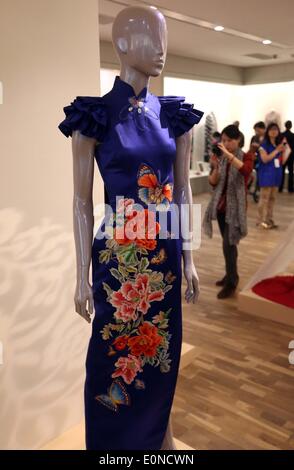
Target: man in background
x=290, y=162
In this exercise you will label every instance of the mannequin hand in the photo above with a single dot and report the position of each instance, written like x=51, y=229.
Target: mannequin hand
x=82, y=295
x=193, y=289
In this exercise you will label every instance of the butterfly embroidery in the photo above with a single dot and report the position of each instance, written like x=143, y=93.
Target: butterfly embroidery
x=117, y=395
x=151, y=189
x=169, y=277
x=111, y=351
x=139, y=384
x=159, y=257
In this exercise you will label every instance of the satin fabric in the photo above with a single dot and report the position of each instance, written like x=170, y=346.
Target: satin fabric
x=134, y=350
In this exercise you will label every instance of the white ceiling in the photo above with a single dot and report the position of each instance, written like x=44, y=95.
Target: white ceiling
x=256, y=19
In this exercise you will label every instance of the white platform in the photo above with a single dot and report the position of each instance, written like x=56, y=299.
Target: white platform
x=199, y=182
x=74, y=438
x=253, y=304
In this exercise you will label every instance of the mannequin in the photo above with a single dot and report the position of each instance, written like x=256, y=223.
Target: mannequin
x=140, y=39
x=273, y=116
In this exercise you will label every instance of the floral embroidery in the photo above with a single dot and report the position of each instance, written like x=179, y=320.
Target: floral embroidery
x=134, y=298
x=127, y=368
x=146, y=341
x=140, y=223
x=134, y=340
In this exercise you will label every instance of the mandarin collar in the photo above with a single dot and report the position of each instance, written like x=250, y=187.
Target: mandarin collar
x=123, y=88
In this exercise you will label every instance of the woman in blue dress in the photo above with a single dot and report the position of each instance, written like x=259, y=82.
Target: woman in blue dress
x=142, y=148
x=271, y=158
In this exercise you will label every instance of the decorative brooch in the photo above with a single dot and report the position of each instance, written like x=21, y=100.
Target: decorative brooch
x=137, y=109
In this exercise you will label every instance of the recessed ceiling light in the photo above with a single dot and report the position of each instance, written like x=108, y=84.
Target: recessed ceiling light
x=219, y=28
x=266, y=41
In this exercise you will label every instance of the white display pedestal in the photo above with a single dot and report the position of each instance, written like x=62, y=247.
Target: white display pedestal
x=278, y=263
x=253, y=304
x=199, y=178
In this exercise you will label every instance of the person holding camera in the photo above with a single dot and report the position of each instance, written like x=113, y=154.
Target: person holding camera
x=230, y=170
x=272, y=155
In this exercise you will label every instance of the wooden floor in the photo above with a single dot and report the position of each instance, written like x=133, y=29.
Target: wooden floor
x=238, y=391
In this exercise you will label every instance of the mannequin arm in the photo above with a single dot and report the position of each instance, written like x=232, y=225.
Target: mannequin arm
x=183, y=195
x=83, y=220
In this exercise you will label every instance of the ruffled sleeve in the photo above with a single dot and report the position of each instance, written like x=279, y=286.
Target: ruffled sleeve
x=88, y=115
x=180, y=114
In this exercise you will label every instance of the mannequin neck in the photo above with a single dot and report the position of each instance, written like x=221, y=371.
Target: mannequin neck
x=136, y=79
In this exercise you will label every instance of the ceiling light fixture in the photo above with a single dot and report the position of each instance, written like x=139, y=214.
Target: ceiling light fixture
x=199, y=23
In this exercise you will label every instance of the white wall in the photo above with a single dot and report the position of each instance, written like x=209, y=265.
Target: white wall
x=245, y=103
x=49, y=53
x=107, y=77
x=258, y=100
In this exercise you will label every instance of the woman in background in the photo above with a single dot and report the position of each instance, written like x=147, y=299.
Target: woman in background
x=259, y=129
x=272, y=155
x=231, y=168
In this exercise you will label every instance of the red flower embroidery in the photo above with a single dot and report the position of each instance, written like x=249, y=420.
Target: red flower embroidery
x=133, y=296
x=146, y=342
x=143, y=341
x=127, y=368
x=125, y=205
x=120, y=342
x=140, y=227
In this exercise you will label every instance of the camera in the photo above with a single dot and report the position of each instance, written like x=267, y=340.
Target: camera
x=216, y=151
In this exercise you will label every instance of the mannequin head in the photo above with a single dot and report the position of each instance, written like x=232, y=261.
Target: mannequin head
x=139, y=36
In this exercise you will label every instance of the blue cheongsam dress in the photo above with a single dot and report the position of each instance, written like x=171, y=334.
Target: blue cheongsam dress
x=134, y=350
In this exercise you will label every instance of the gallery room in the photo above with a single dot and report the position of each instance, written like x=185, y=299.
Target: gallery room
x=147, y=225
